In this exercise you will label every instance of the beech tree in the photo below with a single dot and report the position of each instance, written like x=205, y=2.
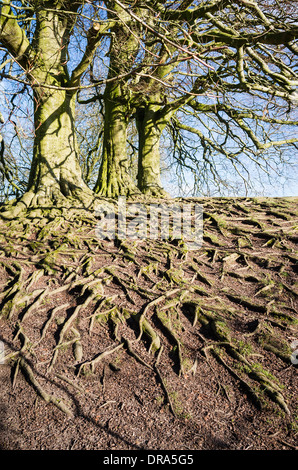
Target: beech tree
x=230, y=73
x=219, y=80
x=41, y=53
x=222, y=92
x=218, y=74
x=113, y=178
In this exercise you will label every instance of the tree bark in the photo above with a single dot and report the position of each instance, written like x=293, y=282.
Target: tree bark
x=150, y=122
x=55, y=169
x=149, y=133
x=151, y=119
x=55, y=173
x=114, y=179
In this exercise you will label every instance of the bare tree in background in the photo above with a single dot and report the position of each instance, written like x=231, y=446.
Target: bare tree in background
x=218, y=76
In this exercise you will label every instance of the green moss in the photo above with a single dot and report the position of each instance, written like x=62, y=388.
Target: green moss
x=283, y=316
x=178, y=406
x=272, y=343
x=6, y=309
x=245, y=369
x=175, y=276
x=268, y=375
x=245, y=348
x=211, y=237
x=244, y=242
x=294, y=424
x=221, y=330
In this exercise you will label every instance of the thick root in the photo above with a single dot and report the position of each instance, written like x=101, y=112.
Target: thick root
x=60, y=286
x=155, y=191
x=223, y=334
x=117, y=187
x=38, y=205
x=48, y=398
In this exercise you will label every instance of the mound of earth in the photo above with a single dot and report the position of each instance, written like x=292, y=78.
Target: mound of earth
x=145, y=344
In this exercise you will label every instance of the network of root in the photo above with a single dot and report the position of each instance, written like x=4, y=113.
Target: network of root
x=232, y=301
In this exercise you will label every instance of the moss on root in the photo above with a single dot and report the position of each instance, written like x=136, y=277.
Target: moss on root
x=146, y=299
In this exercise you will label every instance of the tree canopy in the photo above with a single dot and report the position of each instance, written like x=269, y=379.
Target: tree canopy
x=218, y=79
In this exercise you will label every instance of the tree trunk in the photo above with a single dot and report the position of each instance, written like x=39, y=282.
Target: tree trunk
x=150, y=129
x=114, y=179
x=55, y=173
x=55, y=170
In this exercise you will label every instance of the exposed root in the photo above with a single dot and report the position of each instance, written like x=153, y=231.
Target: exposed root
x=166, y=321
x=92, y=363
x=35, y=206
x=254, y=395
x=152, y=304
x=155, y=191
x=118, y=186
x=128, y=345
x=48, y=398
x=163, y=383
x=60, y=286
x=155, y=342
x=223, y=335
x=66, y=326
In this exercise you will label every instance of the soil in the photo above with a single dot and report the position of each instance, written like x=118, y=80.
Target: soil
x=83, y=370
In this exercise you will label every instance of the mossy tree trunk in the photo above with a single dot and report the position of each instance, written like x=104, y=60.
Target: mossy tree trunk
x=114, y=178
x=55, y=171
x=150, y=126
x=154, y=112
x=55, y=174
x=151, y=120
